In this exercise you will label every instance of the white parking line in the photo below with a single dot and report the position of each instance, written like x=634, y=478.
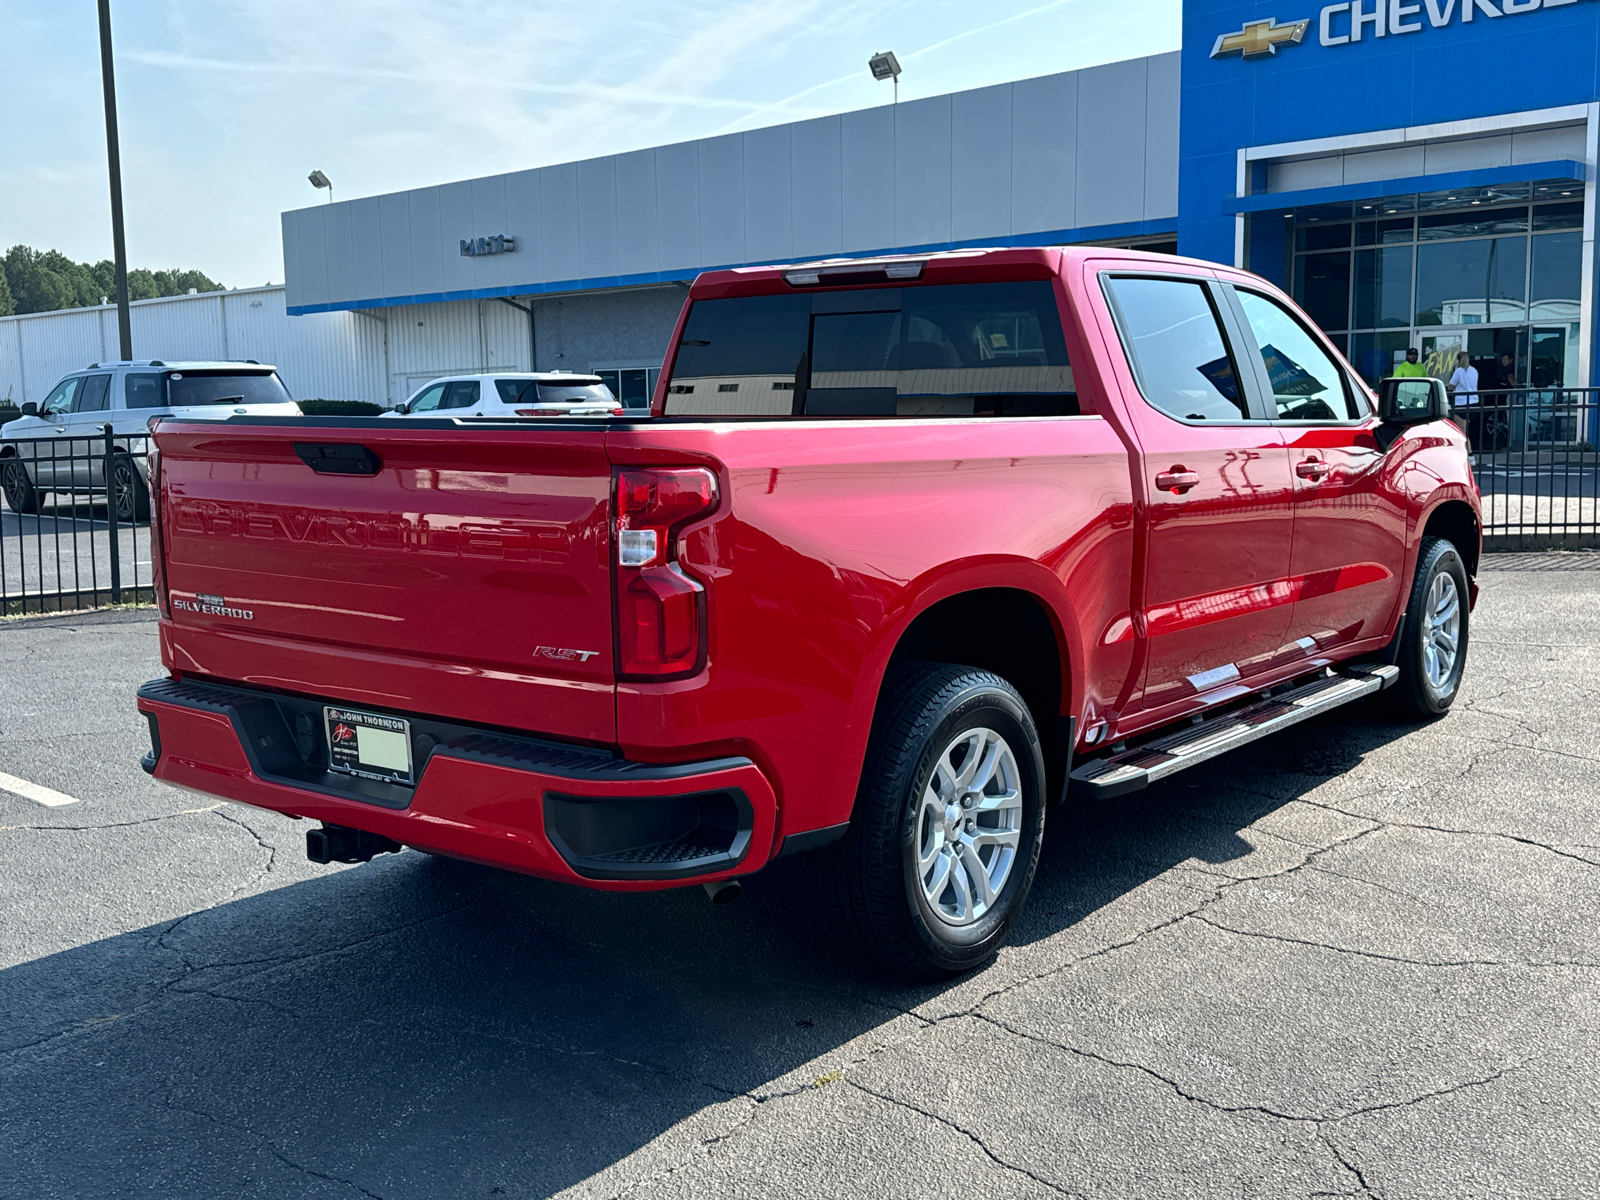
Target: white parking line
x=48, y=797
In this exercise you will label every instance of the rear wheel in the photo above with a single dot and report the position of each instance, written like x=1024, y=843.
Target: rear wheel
x=1433, y=643
x=946, y=831
x=21, y=495
x=128, y=491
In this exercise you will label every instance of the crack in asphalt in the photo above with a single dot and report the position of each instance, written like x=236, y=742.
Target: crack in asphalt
x=270, y=1146
x=173, y=986
x=188, y=812
x=262, y=843
x=1339, y=1156
x=1261, y=1109
x=1483, y=833
x=974, y=1138
x=1396, y=958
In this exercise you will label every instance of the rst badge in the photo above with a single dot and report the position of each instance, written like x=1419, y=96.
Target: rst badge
x=562, y=654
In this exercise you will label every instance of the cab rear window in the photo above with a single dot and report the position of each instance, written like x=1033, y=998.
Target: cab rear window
x=949, y=350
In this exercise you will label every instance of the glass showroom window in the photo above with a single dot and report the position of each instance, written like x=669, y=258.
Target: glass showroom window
x=632, y=385
x=1503, y=262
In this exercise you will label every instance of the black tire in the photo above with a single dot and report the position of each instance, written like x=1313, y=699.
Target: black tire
x=128, y=491
x=21, y=495
x=871, y=880
x=1421, y=693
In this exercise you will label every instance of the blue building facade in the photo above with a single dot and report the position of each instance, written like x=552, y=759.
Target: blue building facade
x=1416, y=172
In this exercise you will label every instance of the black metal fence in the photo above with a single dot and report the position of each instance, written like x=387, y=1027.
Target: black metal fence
x=1534, y=455
x=75, y=532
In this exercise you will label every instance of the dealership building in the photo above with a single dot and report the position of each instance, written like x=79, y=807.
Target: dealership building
x=1415, y=172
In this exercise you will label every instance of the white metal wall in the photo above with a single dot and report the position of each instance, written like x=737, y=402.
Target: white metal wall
x=334, y=356
x=1069, y=153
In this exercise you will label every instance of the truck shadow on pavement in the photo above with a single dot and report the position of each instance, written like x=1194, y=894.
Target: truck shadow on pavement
x=418, y=1027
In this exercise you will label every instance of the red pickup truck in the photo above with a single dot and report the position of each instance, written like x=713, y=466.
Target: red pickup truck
x=906, y=549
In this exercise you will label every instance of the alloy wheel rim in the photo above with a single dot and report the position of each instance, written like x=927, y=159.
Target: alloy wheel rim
x=969, y=826
x=122, y=486
x=1441, y=635
x=13, y=483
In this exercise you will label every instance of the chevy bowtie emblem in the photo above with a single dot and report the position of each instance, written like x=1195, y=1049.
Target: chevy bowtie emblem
x=1260, y=37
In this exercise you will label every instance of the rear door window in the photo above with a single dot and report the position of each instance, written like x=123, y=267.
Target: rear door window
x=982, y=349
x=1174, y=341
x=463, y=393
x=93, y=394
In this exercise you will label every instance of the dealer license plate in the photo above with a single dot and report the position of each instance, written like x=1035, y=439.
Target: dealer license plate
x=368, y=744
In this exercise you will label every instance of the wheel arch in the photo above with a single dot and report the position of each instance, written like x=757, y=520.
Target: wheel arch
x=1457, y=521
x=933, y=610
x=1006, y=630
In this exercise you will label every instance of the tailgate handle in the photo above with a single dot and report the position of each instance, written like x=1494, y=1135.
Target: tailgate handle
x=338, y=458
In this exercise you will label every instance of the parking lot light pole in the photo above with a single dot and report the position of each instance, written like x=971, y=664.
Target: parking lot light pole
x=119, y=248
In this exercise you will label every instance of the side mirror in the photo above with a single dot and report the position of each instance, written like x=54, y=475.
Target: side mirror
x=29, y=409
x=1412, y=400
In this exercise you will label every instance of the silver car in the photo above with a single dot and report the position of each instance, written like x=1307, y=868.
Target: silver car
x=59, y=446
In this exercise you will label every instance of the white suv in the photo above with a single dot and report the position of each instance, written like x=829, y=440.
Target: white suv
x=59, y=446
x=506, y=394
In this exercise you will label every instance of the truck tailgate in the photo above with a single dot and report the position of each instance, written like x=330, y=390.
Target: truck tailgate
x=467, y=578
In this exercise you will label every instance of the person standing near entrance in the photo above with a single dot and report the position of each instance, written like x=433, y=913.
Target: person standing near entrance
x=1411, y=368
x=1464, y=387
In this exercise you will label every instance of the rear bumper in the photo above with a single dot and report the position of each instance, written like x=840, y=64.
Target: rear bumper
x=542, y=808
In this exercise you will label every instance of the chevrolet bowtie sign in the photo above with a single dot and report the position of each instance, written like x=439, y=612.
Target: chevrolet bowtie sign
x=1260, y=38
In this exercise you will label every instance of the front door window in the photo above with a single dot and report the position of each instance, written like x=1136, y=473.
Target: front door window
x=59, y=402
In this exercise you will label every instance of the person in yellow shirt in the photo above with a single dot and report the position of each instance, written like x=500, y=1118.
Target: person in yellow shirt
x=1411, y=368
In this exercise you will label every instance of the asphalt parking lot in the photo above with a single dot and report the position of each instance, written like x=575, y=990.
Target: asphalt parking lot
x=1360, y=959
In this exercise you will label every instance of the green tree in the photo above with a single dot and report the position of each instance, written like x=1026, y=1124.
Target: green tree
x=44, y=282
x=7, y=305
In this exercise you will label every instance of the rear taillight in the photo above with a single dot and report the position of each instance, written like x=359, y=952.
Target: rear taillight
x=158, y=547
x=660, y=610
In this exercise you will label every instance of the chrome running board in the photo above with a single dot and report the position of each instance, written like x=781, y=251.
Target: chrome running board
x=1104, y=778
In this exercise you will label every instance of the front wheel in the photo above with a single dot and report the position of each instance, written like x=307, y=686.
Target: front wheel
x=1433, y=643
x=21, y=495
x=947, y=825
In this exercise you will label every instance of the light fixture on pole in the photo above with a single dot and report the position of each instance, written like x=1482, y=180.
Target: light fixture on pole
x=886, y=66
x=319, y=180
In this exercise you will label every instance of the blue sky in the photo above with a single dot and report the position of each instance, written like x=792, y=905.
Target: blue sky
x=226, y=105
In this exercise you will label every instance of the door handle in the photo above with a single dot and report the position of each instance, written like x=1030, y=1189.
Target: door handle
x=1311, y=468
x=1178, y=480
